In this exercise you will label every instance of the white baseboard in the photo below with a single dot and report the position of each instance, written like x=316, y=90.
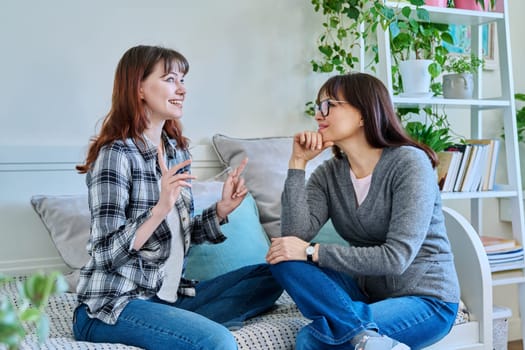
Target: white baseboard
x=26, y=266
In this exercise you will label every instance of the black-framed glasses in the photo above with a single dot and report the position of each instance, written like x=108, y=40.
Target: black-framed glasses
x=324, y=106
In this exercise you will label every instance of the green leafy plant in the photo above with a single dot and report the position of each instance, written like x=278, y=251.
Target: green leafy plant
x=463, y=64
x=420, y=39
x=434, y=130
x=29, y=308
x=492, y=4
x=413, y=36
x=520, y=117
x=348, y=24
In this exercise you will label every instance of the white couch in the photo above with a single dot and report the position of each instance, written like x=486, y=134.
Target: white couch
x=50, y=173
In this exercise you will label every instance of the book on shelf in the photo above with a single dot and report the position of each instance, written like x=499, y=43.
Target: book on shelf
x=472, y=173
x=462, y=167
x=498, y=244
x=487, y=170
x=447, y=169
x=502, y=253
x=468, y=167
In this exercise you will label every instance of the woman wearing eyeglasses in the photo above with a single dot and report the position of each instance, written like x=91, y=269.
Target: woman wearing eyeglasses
x=395, y=285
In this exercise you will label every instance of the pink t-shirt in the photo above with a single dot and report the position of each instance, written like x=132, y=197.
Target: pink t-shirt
x=361, y=186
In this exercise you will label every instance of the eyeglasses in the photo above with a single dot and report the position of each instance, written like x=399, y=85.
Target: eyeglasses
x=324, y=106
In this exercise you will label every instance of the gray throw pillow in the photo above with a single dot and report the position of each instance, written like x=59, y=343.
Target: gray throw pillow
x=265, y=172
x=67, y=219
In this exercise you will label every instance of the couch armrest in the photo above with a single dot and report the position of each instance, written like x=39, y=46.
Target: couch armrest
x=473, y=270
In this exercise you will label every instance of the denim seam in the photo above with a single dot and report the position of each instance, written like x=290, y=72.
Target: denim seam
x=165, y=331
x=418, y=320
x=350, y=334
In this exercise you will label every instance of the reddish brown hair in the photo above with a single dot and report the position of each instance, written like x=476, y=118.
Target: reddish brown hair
x=127, y=117
x=370, y=96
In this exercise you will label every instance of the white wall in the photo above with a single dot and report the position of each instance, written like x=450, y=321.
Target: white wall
x=249, y=64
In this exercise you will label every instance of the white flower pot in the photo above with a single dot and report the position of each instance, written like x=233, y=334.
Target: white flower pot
x=416, y=78
x=460, y=86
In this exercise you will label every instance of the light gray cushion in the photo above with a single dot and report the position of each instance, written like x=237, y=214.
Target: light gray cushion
x=67, y=219
x=265, y=172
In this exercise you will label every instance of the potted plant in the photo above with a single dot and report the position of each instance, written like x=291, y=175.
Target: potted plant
x=34, y=295
x=476, y=5
x=417, y=50
x=350, y=24
x=437, y=3
x=460, y=82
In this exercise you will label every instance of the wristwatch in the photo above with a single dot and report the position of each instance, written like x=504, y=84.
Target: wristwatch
x=310, y=250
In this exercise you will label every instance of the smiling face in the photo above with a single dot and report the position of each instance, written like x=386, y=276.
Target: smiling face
x=163, y=93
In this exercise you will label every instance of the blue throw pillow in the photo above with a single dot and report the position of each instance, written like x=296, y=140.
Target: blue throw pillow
x=328, y=234
x=247, y=244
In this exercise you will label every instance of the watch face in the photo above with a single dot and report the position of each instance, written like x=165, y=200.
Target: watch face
x=310, y=250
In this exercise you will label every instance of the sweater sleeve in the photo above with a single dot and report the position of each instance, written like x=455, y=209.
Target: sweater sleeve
x=304, y=210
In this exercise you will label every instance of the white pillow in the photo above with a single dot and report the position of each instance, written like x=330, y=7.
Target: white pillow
x=265, y=172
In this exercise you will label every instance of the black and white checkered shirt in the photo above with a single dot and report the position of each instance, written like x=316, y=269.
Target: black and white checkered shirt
x=123, y=187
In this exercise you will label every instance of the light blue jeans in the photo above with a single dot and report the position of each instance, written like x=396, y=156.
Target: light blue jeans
x=198, y=322
x=339, y=310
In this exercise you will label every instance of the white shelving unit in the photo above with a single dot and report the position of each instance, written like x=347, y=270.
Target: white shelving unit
x=512, y=190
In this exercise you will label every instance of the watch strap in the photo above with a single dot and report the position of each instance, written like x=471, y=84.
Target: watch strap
x=310, y=256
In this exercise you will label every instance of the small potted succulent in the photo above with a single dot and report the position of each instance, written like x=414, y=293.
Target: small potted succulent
x=459, y=83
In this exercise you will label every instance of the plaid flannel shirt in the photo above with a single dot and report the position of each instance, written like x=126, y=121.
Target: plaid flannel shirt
x=123, y=187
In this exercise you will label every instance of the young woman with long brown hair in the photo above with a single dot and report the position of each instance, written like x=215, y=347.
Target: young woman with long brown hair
x=132, y=290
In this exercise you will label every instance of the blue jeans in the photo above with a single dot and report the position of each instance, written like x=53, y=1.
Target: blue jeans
x=339, y=310
x=198, y=322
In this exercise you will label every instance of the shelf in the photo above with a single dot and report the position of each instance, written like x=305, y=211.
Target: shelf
x=480, y=104
x=479, y=194
x=454, y=16
x=508, y=281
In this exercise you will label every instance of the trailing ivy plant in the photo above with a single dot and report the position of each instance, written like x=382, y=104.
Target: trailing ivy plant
x=29, y=308
x=348, y=24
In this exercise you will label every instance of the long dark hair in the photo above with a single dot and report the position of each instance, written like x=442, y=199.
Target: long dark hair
x=127, y=117
x=370, y=96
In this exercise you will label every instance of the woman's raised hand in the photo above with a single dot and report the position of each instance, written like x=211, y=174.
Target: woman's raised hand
x=233, y=191
x=306, y=146
x=172, y=182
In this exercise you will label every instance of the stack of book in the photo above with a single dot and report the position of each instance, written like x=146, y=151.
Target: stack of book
x=468, y=167
x=502, y=253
